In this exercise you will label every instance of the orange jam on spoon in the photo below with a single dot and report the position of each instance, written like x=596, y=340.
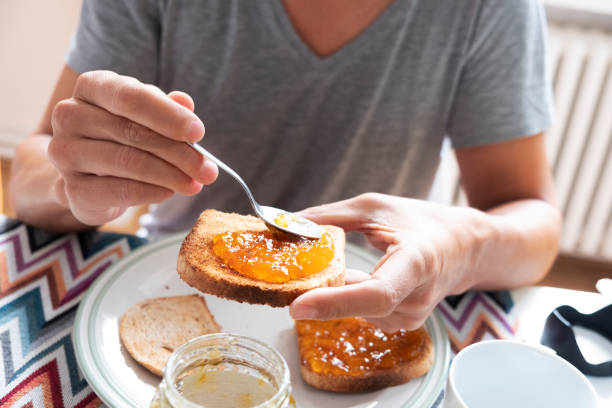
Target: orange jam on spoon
x=263, y=256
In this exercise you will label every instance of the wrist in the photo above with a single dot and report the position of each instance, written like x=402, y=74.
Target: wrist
x=480, y=233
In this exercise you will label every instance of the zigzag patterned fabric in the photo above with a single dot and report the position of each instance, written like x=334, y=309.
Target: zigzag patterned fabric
x=475, y=316
x=42, y=278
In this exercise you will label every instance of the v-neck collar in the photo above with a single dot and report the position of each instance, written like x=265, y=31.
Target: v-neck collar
x=284, y=27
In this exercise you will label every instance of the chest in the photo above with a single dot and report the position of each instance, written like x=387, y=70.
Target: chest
x=247, y=68
x=326, y=26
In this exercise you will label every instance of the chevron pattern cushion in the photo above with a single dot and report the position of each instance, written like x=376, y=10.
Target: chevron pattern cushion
x=42, y=278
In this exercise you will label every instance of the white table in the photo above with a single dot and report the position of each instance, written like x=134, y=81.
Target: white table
x=532, y=305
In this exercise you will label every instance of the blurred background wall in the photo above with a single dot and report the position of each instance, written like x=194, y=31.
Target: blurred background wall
x=34, y=36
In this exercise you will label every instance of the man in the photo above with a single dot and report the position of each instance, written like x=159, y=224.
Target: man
x=312, y=101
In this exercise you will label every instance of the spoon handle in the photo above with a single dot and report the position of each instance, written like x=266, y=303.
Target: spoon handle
x=231, y=172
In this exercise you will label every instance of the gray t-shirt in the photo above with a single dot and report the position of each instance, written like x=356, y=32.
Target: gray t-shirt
x=303, y=130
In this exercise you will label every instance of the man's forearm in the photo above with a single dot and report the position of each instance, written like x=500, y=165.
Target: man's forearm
x=522, y=244
x=33, y=178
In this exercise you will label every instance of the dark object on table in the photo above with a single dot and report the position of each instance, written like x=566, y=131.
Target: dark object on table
x=559, y=335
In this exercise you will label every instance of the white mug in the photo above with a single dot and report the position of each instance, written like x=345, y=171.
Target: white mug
x=509, y=374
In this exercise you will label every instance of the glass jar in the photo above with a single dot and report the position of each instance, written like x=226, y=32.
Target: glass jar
x=224, y=370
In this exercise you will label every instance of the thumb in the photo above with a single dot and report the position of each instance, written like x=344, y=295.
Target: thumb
x=376, y=295
x=183, y=99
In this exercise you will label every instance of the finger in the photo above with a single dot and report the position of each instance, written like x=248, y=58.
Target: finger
x=359, y=213
x=396, y=321
x=104, y=192
x=375, y=297
x=396, y=270
x=414, y=310
x=143, y=104
x=74, y=116
x=103, y=158
x=370, y=298
x=355, y=276
x=341, y=213
x=59, y=191
x=422, y=299
x=182, y=98
x=383, y=325
x=210, y=169
x=96, y=200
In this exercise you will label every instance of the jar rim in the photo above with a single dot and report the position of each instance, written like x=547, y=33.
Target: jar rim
x=171, y=388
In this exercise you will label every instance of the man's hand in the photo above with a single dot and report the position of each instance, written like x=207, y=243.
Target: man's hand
x=118, y=142
x=428, y=251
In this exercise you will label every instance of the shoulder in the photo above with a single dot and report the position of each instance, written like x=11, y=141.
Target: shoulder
x=502, y=25
x=516, y=12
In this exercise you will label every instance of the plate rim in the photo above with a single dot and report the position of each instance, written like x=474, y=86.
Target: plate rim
x=106, y=388
x=95, y=380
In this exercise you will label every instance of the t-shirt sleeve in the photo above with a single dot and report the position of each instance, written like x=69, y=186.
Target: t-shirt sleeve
x=504, y=91
x=117, y=35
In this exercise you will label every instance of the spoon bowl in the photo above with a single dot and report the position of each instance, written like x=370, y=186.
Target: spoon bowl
x=289, y=223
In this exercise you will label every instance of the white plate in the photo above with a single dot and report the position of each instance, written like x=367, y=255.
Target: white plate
x=150, y=272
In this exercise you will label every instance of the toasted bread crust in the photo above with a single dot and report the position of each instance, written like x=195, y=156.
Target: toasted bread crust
x=150, y=330
x=374, y=380
x=199, y=266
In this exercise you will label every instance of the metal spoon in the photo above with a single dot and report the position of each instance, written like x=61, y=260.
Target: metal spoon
x=275, y=218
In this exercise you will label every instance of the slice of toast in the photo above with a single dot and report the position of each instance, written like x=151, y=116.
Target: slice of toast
x=352, y=379
x=152, y=329
x=201, y=268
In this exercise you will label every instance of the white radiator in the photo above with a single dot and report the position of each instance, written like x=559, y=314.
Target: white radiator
x=579, y=144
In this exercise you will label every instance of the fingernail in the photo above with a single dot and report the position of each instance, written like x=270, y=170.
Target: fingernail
x=196, y=131
x=303, y=312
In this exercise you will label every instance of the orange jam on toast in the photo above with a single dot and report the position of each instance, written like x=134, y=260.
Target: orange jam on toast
x=261, y=255
x=353, y=346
